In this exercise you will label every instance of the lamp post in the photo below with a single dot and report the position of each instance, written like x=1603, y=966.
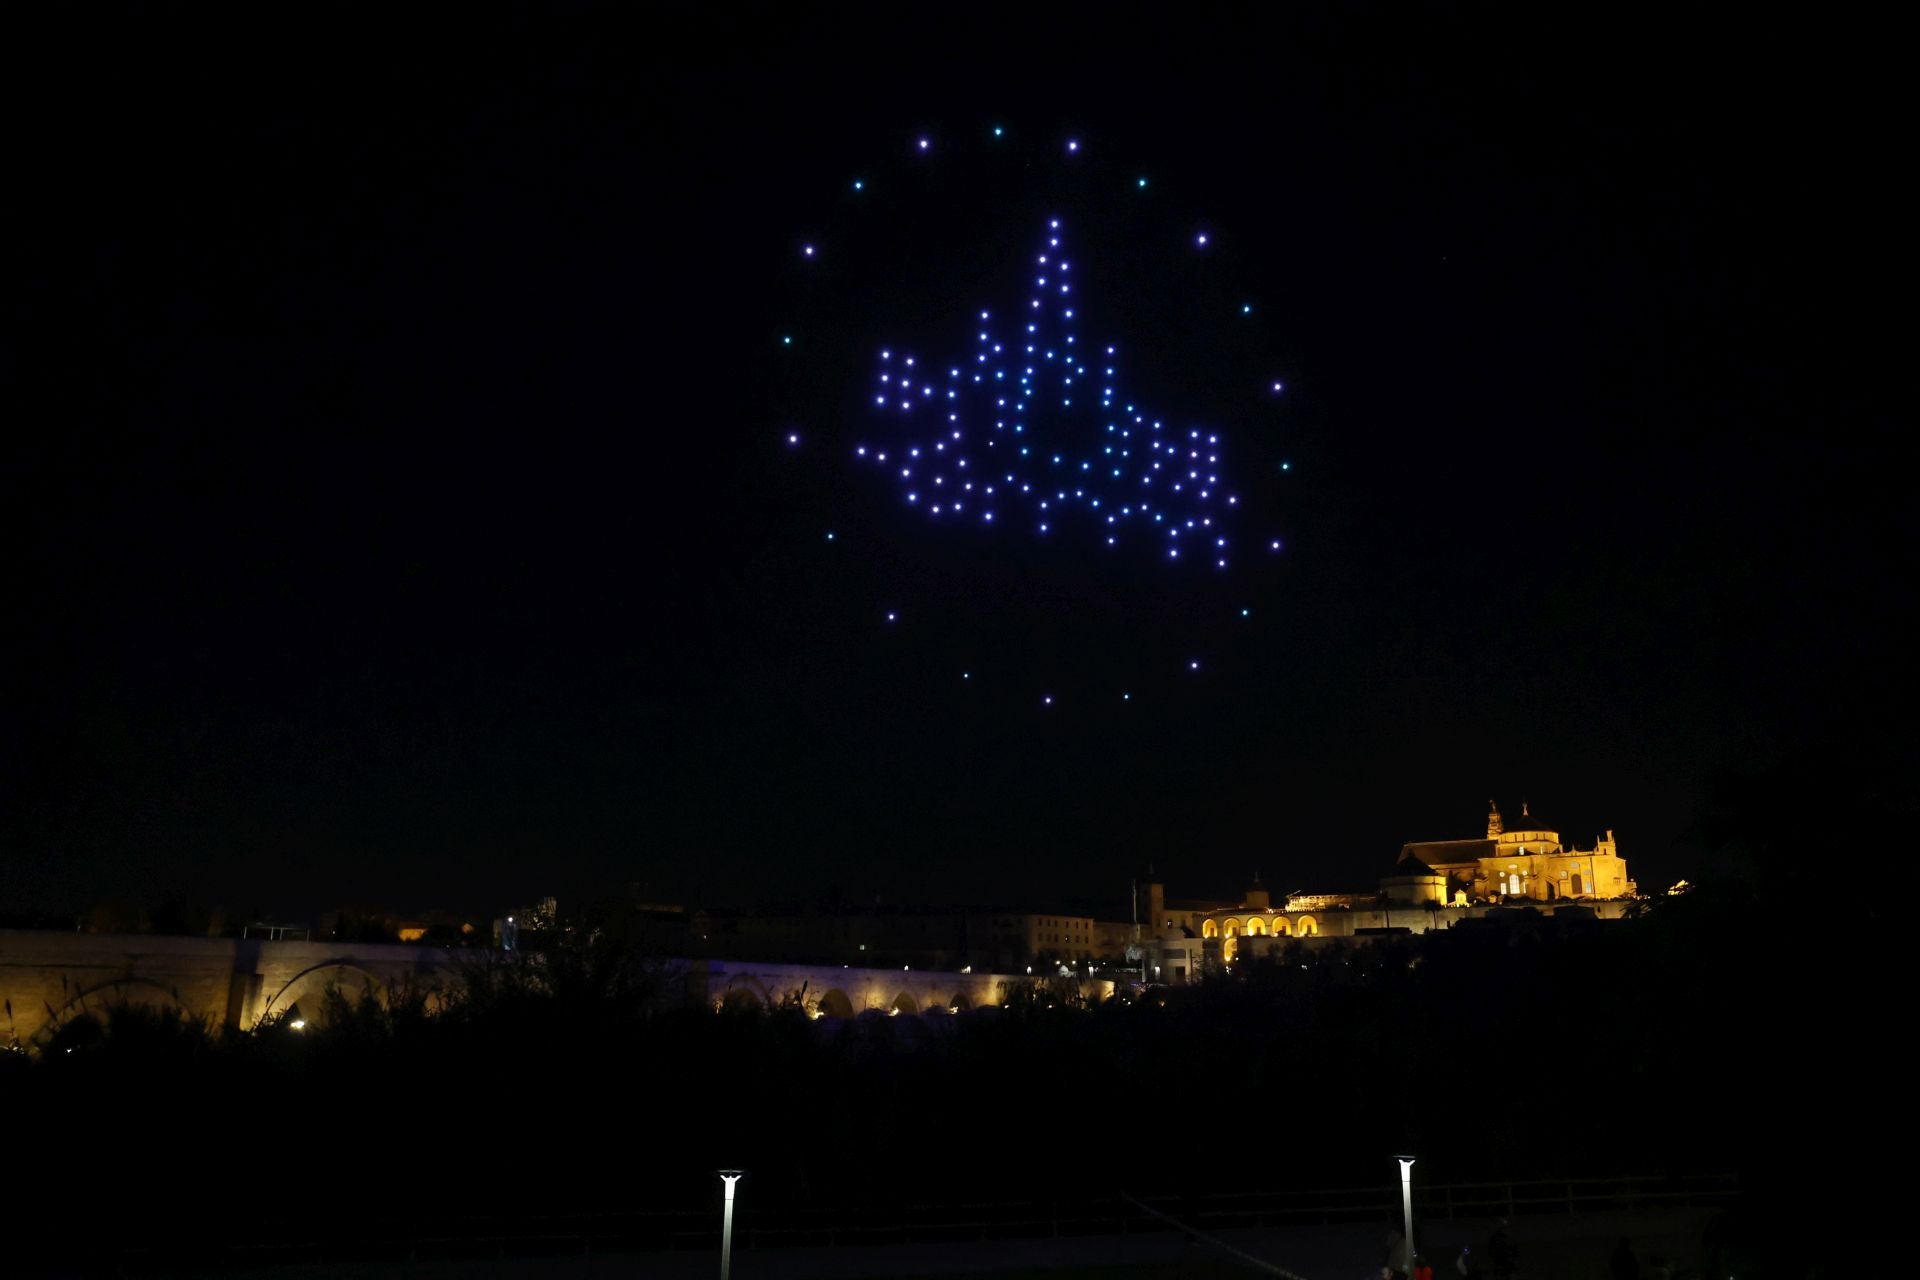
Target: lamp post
x=1406, y=1204
x=729, y=1177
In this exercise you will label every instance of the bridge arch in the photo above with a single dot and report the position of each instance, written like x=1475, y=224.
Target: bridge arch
x=903, y=1003
x=126, y=990
x=312, y=984
x=745, y=993
x=833, y=1003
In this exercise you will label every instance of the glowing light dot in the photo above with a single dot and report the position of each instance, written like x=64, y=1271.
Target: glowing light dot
x=1073, y=144
x=807, y=249
x=1246, y=613
x=1048, y=700
x=1194, y=665
x=786, y=340
x=829, y=535
x=926, y=144
x=998, y=131
x=1286, y=466
x=1141, y=183
x=1201, y=239
x=859, y=185
x=892, y=616
x=792, y=438
x=1246, y=308
x=1276, y=388
x=1274, y=545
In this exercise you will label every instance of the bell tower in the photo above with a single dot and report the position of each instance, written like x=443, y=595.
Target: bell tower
x=1494, y=825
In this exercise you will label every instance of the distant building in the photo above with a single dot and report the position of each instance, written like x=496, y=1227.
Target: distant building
x=1526, y=862
x=1435, y=884
x=542, y=917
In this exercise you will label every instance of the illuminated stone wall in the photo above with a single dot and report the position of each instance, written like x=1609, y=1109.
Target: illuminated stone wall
x=46, y=977
x=840, y=991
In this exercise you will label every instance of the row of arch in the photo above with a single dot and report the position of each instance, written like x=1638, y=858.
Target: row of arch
x=304, y=993
x=310, y=985
x=746, y=993
x=1261, y=926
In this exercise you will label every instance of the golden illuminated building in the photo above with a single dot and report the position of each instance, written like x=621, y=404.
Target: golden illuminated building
x=1524, y=863
x=1436, y=884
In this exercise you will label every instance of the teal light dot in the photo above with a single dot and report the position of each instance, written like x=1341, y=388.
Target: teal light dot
x=858, y=185
x=998, y=131
x=1142, y=184
x=786, y=340
x=1246, y=308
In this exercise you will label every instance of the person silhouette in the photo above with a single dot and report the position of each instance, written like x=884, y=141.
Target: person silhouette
x=1503, y=1256
x=1623, y=1263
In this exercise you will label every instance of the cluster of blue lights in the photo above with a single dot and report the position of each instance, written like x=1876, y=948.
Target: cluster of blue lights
x=1032, y=429
x=1029, y=432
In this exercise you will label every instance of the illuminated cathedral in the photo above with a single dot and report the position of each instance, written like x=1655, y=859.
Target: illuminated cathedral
x=1436, y=884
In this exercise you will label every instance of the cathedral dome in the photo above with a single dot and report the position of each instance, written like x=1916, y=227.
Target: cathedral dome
x=1527, y=823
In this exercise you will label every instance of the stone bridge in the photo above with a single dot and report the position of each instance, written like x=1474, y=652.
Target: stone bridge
x=47, y=978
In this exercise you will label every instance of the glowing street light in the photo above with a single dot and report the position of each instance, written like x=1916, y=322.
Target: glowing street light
x=728, y=1176
x=1406, y=1203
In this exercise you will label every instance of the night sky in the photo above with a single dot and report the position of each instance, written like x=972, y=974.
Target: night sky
x=402, y=510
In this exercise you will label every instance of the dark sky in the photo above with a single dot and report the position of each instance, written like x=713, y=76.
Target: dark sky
x=400, y=516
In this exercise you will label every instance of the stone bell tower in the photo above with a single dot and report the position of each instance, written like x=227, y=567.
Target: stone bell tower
x=1494, y=824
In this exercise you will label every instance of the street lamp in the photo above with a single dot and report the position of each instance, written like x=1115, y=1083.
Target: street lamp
x=728, y=1176
x=1406, y=1203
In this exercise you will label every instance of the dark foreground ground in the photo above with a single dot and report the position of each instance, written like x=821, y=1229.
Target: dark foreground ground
x=1567, y=1247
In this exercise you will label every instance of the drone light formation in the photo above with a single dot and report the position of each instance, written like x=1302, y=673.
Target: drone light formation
x=1033, y=428
x=1027, y=429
